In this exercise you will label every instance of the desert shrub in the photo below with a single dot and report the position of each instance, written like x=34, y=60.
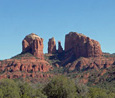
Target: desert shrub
x=81, y=88
x=26, y=91
x=60, y=87
x=99, y=93
x=8, y=89
x=1, y=94
x=39, y=94
x=96, y=93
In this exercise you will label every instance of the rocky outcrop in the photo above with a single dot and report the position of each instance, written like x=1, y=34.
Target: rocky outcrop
x=30, y=63
x=33, y=44
x=96, y=63
x=60, y=49
x=51, y=46
x=13, y=68
x=81, y=46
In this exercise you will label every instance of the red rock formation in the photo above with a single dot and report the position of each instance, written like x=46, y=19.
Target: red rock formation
x=60, y=49
x=28, y=67
x=26, y=64
x=52, y=46
x=33, y=44
x=12, y=67
x=82, y=46
x=96, y=63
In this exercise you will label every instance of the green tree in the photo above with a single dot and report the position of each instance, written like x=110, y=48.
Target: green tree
x=26, y=91
x=82, y=89
x=60, y=87
x=1, y=94
x=8, y=89
x=100, y=93
x=39, y=94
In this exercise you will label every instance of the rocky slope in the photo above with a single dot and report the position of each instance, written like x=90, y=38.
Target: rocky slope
x=92, y=70
x=23, y=68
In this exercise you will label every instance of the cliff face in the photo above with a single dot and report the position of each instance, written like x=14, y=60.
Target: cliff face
x=33, y=44
x=82, y=46
x=23, y=68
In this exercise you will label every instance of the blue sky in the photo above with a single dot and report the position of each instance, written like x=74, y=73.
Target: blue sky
x=55, y=18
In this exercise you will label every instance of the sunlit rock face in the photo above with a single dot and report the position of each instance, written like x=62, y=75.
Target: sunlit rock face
x=82, y=46
x=51, y=46
x=33, y=44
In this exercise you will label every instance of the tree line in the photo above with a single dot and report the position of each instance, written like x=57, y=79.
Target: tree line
x=57, y=87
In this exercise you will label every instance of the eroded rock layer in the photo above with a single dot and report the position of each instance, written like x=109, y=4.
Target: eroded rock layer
x=23, y=68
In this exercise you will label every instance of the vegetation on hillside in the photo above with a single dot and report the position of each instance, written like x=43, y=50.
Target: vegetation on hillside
x=61, y=86
x=23, y=55
x=58, y=87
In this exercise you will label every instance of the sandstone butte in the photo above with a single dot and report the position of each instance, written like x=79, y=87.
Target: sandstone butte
x=82, y=46
x=33, y=44
x=80, y=53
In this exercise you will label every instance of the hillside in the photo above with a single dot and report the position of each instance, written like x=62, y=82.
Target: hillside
x=81, y=59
